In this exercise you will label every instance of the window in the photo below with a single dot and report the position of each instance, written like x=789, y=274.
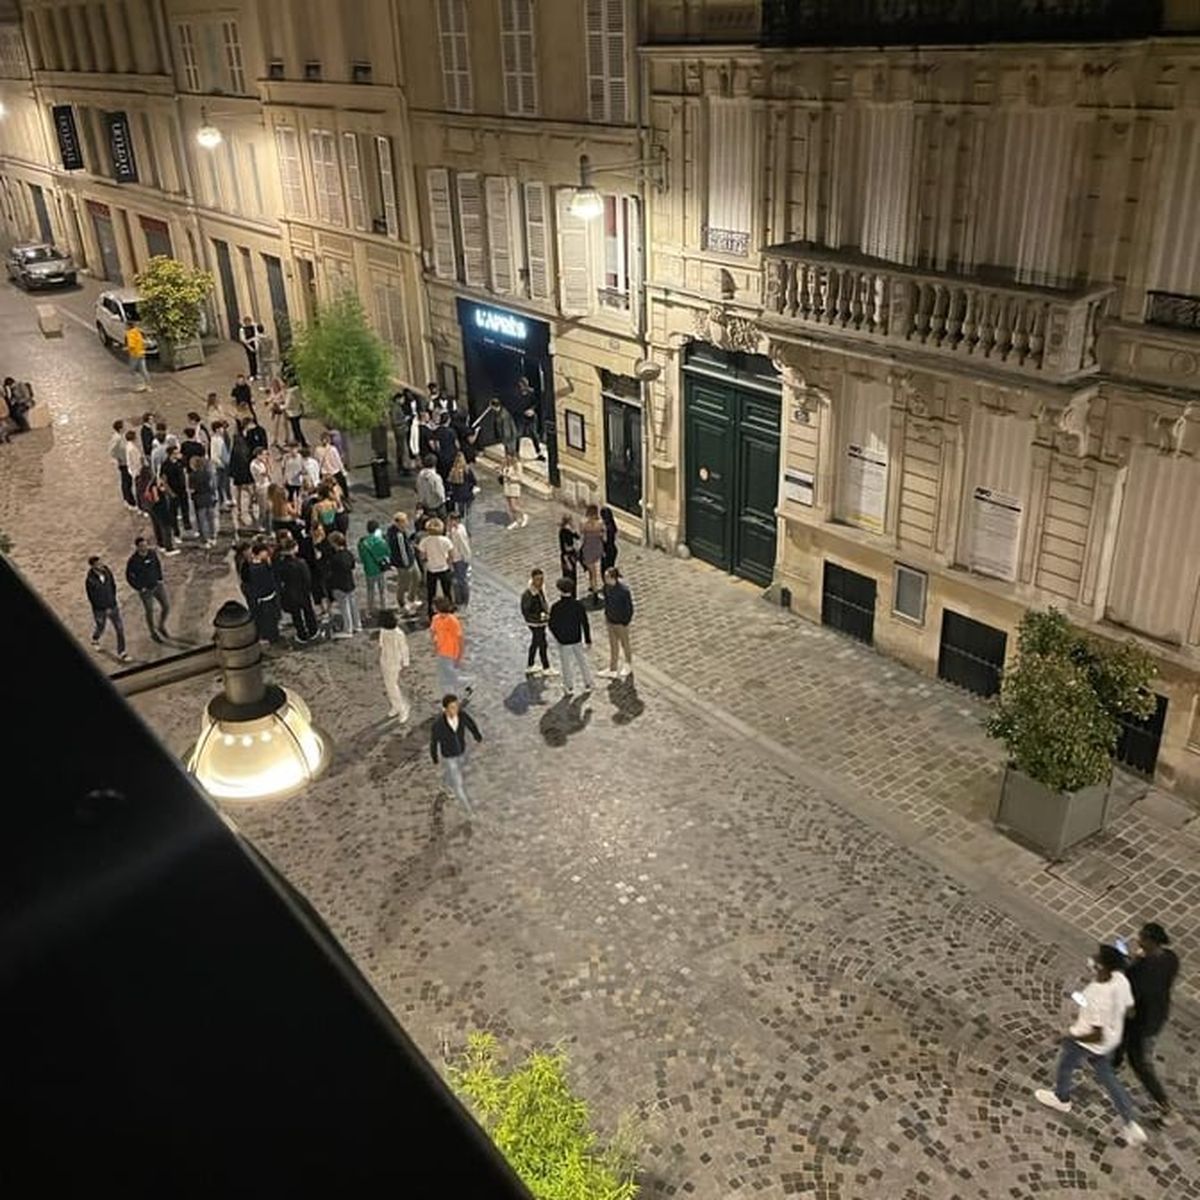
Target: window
x=387, y=186
x=187, y=56
x=614, y=293
x=537, y=241
x=235, y=176
x=149, y=154
x=441, y=223
x=291, y=175
x=606, y=58
x=389, y=316
x=354, y=181
x=908, y=593
x=216, y=196
x=517, y=55
x=456, y=62
x=498, y=191
x=470, y=227
x=576, y=296
x=233, y=58
x=730, y=177
x=327, y=179
x=255, y=179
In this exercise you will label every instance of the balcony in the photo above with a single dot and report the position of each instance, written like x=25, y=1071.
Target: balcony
x=1037, y=332
x=954, y=22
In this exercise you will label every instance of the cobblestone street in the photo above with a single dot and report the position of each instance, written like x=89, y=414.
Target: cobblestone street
x=755, y=894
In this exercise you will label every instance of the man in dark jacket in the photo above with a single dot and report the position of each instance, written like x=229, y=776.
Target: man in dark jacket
x=146, y=433
x=448, y=738
x=536, y=610
x=143, y=573
x=496, y=424
x=295, y=589
x=569, y=624
x=618, y=613
x=101, y=589
x=406, y=563
x=174, y=472
x=262, y=592
x=446, y=443
x=1151, y=975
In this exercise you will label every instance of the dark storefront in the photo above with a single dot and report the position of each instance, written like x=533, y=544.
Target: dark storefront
x=499, y=346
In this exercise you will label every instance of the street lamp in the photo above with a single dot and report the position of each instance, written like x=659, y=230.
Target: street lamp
x=587, y=204
x=208, y=136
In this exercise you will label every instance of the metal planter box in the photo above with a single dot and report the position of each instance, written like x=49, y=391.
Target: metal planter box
x=1046, y=821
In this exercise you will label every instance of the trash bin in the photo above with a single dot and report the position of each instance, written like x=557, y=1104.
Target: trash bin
x=379, y=473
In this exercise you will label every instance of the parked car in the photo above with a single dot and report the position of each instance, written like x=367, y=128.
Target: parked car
x=39, y=264
x=114, y=311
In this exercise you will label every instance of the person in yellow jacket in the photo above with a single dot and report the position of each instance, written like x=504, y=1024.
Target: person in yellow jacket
x=135, y=347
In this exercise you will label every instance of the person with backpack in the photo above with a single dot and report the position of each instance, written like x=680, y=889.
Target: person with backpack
x=376, y=558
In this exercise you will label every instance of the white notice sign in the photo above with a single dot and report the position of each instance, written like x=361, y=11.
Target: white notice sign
x=798, y=486
x=865, y=492
x=995, y=533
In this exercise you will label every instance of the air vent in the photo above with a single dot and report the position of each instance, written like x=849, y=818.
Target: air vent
x=360, y=72
x=312, y=69
x=275, y=68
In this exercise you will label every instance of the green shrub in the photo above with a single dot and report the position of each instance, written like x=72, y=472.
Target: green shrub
x=172, y=296
x=541, y=1127
x=343, y=368
x=1058, y=712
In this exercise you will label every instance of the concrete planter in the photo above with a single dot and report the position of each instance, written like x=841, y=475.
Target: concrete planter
x=1047, y=821
x=179, y=355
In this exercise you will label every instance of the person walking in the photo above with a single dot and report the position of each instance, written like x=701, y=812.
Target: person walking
x=496, y=424
x=431, y=490
x=243, y=399
x=339, y=567
x=1093, y=1036
x=376, y=558
x=448, y=644
x=608, y=557
x=241, y=479
x=448, y=739
x=116, y=451
x=456, y=531
x=143, y=573
x=101, y=588
x=294, y=580
x=393, y=660
x=618, y=613
x=535, y=609
x=437, y=553
x=218, y=453
x=405, y=563
x=135, y=348
x=1151, y=975
x=510, y=483
x=202, y=484
x=591, y=549
x=248, y=336
x=569, y=625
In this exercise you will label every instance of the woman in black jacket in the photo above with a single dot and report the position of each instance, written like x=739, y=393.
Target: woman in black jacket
x=568, y=547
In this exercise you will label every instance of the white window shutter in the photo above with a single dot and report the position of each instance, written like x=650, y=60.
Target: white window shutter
x=470, y=225
x=327, y=177
x=537, y=241
x=597, y=78
x=441, y=222
x=387, y=185
x=633, y=235
x=614, y=44
x=605, y=45
x=291, y=175
x=354, y=183
x=499, y=233
x=456, y=61
x=575, y=239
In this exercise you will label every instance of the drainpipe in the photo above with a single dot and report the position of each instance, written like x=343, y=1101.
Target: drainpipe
x=644, y=367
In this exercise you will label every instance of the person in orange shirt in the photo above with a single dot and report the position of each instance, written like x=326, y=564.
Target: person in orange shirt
x=448, y=645
x=135, y=347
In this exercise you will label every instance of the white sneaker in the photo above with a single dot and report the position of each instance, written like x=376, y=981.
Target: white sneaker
x=513, y=525
x=607, y=674
x=170, y=553
x=1050, y=1100
x=1135, y=1135
x=552, y=673
x=524, y=520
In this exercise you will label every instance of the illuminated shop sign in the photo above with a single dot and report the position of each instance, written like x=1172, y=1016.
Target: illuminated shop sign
x=503, y=323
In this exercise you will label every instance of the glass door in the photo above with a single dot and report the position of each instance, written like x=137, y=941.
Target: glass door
x=623, y=455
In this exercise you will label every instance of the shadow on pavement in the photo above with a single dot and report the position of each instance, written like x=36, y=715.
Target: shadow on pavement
x=564, y=720
x=529, y=693
x=625, y=699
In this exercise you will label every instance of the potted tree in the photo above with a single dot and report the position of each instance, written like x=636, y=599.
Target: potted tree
x=1059, y=717
x=542, y=1128
x=172, y=296
x=344, y=372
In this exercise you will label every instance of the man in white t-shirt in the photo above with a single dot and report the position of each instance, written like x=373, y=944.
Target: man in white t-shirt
x=1094, y=1036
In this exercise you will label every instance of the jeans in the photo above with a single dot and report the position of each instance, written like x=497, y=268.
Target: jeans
x=139, y=370
x=618, y=641
x=127, y=486
x=376, y=592
x=573, y=657
x=462, y=581
x=149, y=596
x=102, y=617
x=347, y=602
x=432, y=580
x=1138, y=1047
x=1073, y=1054
x=537, y=646
x=160, y=521
x=224, y=494
x=452, y=773
x=206, y=522
x=447, y=677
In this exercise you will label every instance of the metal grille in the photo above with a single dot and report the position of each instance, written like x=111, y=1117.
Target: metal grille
x=1172, y=310
x=848, y=603
x=971, y=654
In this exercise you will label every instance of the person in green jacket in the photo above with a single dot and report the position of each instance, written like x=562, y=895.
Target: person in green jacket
x=376, y=558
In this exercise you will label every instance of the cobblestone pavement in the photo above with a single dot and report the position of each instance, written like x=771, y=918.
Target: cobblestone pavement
x=790, y=993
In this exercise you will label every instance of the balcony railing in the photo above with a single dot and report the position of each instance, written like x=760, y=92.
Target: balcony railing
x=954, y=22
x=1042, y=332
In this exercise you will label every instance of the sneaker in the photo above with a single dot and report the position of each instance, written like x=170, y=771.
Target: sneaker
x=209, y=544
x=170, y=553
x=341, y=635
x=530, y=671
x=551, y=673
x=607, y=674
x=163, y=630
x=1167, y=1117
x=1135, y=1135
x=1050, y=1100
x=123, y=657
x=524, y=520
x=133, y=508
x=513, y=525
x=95, y=643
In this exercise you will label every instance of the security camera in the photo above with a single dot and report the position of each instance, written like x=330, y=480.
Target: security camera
x=647, y=370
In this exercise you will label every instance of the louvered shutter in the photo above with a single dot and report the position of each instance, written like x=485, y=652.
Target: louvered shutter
x=574, y=258
x=633, y=237
x=441, y=222
x=499, y=233
x=597, y=77
x=291, y=175
x=327, y=177
x=470, y=225
x=354, y=185
x=387, y=186
x=604, y=33
x=537, y=241
x=614, y=44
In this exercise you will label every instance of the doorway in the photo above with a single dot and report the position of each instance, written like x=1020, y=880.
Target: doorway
x=971, y=654
x=848, y=602
x=623, y=452
x=45, y=228
x=228, y=287
x=279, y=305
x=106, y=240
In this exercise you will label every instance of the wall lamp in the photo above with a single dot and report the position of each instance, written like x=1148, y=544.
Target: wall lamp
x=587, y=204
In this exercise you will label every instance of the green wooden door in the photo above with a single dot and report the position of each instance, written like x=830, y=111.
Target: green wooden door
x=710, y=465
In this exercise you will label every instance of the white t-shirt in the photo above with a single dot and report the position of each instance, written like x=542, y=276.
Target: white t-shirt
x=436, y=549
x=461, y=543
x=1104, y=1004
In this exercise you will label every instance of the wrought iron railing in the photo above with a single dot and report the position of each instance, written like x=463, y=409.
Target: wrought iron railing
x=1173, y=311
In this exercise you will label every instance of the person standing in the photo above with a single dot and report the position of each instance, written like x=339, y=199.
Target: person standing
x=135, y=458
x=146, y=433
x=243, y=399
x=405, y=563
x=568, y=549
x=376, y=558
x=203, y=432
x=393, y=659
x=192, y=445
x=527, y=405
x=262, y=591
x=460, y=486
x=332, y=466
x=431, y=490
x=405, y=413
x=448, y=739
x=260, y=474
x=101, y=588
x=496, y=424
x=174, y=475
x=339, y=565
x=156, y=504
x=116, y=451
x=277, y=412
x=203, y=486
x=218, y=452
x=294, y=411
x=608, y=557
x=292, y=469
x=591, y=549
x=535, y=610
x=510, y=483
x=248, y=336
x=1151, y=974
x=143, y=573
x=264, y=344
x=1093, y=1036
x=456, y=531
x=618, y=613
x=241, y=479
x=312, y=469
x=294, y=579
x=448, y=644
x=437, y=552
x=569, y=624
x=135, y=348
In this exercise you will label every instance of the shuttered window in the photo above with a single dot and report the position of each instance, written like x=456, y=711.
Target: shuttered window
x=389, y=316
x=518, y=57
x=441, y=222
x=498, y=193
x=607, y=55
x=537, y=241
x=233, y=58
x=187, y=56
x=387, y=186
x=470, y=228
x=456, y=62
x=575, y=258
x=730, y=177
x=291, y=174
x=327, y=179
x=354, y=181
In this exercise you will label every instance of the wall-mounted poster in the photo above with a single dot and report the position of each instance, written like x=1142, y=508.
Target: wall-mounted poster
x=995, y=533
x=120, y=147
x=798, y=486
x=69, y=148
x=864, y=492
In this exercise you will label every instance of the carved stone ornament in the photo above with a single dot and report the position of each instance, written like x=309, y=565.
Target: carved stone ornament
x=1169, y=431
x=727, y=331
x=914, y=402
x=1072, y=421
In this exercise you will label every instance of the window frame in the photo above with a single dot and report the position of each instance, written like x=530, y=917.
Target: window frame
x=520, y=79
x=185, y=35
x=454, y=47
x=356, y=195
x=291, y=164
x=235, y=67
x=611, y=105
x=328, y=191
x=923, y=577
